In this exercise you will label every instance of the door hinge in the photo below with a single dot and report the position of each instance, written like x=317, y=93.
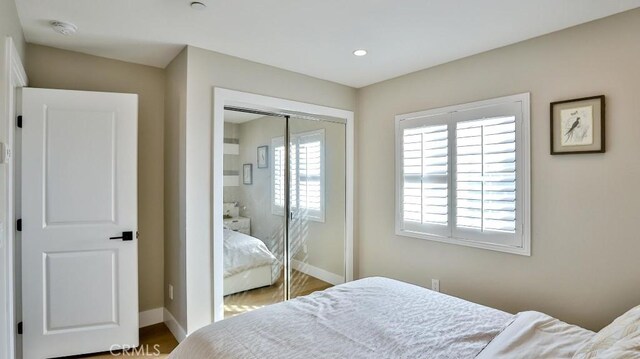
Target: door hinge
x=20, y=328
x=19, y=225
x=19, y=122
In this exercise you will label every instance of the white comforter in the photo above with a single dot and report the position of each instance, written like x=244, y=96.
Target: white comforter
x=243, y=252
x=536, y=335
x=368, y=318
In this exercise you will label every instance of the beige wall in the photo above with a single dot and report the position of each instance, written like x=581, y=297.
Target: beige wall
x=174, y=215
x=10, y=26
x=53, y=68
x=257, y=196
x=585, y=208
x=206, y=70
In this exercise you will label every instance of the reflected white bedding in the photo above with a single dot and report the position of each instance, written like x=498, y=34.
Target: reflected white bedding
x=243, y=252
x=368, y=318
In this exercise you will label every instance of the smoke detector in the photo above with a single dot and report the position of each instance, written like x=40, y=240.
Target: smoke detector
x=63, y=27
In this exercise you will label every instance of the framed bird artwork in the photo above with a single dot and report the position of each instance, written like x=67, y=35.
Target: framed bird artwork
x=577, y=126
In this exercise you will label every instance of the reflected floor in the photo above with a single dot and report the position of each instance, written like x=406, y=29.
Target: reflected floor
x=301, y=284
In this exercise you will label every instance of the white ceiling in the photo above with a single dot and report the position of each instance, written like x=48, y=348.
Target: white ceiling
x=239, y=117
x=313, y=37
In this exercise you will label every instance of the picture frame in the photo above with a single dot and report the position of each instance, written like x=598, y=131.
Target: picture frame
x=247, y=173
x=578, y=126
x=263, y=157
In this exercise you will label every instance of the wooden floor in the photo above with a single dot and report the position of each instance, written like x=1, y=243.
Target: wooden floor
x=301, y=284
x=156, y=341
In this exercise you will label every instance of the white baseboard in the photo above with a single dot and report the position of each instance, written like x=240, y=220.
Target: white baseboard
x=151, y=317
x=178, y=332
x=317, y=272
x=159, y=315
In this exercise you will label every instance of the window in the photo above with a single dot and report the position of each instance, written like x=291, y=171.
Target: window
x=463, y=174
x=307, y=175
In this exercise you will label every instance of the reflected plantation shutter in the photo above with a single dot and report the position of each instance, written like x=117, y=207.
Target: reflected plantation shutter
x=277, y=176
x=309, y=174
x=462, y=174
x=306, y=186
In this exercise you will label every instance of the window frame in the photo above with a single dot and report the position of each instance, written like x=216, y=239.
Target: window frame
x=314, y=215
x=451, y=115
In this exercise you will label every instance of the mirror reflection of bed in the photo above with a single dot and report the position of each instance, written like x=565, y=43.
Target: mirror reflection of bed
x=254, y=219
x=262, y=284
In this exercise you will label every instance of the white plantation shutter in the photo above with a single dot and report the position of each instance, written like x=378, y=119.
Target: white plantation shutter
x=425, y=194
x=306, y=186
x=463, y=174
x=486, y=176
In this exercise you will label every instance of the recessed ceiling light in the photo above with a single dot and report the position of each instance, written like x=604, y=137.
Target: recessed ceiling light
x=197, y=5
x=360, y=52
x=63, y=27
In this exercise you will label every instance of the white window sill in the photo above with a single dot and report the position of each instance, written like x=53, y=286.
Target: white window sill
x=523, y=251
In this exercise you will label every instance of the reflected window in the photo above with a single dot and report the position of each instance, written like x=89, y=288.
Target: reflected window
x=307, y=175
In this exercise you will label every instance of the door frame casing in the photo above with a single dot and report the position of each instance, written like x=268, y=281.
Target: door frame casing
x=14, y=77
x=225, y=97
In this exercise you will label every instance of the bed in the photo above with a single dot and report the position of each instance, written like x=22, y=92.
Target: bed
x=384, y=318
x=248, y=263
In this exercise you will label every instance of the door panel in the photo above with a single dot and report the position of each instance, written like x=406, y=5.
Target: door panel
x=255, y=215
x=317, y=202
x=79, y=189
x=80, y=143
x=97, y=286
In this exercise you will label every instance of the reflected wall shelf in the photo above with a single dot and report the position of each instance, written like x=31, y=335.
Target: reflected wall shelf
x=231, y=177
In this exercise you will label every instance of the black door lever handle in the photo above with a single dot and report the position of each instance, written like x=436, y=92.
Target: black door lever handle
x=126, y=236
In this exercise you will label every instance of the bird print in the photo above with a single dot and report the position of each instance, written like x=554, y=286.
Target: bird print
x=575, y=125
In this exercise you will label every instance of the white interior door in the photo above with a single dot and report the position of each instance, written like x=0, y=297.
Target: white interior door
x=79, y=189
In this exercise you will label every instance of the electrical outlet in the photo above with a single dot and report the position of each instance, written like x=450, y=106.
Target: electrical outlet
x=435, y=285
x=170, y=292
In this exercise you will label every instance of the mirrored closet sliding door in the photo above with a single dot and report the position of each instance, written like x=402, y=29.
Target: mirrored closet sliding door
x=253, y=235
x=284, y=207
x=317, y=184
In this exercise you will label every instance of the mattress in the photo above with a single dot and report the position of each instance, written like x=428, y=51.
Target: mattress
x=368, y=318
x=243, y=252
